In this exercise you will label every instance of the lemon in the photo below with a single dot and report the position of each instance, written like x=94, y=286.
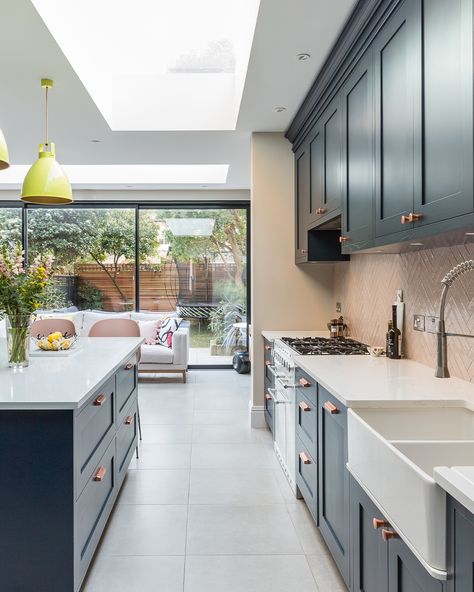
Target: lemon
x=55, y=336
x=55, y=345
x=65, y=344
x=43, y=343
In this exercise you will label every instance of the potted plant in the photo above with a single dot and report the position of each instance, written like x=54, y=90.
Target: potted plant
x=21, y=289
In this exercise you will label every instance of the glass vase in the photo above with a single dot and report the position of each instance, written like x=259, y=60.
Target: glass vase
x=18, y=340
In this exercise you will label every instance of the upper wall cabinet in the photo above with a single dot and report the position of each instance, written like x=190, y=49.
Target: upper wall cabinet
x=357, y=158
x=387, y=129
x=397, y=92
x=302, y=190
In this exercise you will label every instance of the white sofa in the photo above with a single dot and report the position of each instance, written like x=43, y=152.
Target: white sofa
x=155, y=359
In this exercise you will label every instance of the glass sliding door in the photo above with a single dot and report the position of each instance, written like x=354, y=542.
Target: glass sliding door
x=94, y=255
x=10, y=226
x=199, y=273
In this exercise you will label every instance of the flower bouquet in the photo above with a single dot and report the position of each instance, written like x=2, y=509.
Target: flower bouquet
x=21, y=288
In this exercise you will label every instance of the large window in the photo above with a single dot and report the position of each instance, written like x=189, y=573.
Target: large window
x=190, y=262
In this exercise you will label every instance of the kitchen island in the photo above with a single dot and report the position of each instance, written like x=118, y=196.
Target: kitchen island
x=68, y=429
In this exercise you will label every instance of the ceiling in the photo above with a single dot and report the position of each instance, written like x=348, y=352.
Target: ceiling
x=275, y=77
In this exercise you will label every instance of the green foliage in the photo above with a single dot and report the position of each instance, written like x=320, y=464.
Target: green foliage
x=53, y=297
x=231, y=310
x=10, y=226
x=88, y=296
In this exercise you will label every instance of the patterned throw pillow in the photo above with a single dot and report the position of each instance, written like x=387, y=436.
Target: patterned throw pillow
x=168, y=327
x=149, y=330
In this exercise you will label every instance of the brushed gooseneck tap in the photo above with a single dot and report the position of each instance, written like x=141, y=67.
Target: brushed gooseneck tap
x=448, y=280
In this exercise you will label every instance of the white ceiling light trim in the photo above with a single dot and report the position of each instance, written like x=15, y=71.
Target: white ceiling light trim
x=156, y=64
x=140, y=174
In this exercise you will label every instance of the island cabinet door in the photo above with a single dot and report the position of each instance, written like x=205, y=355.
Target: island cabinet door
x=397, y=84
x=460, y=548
x=358, y=157
x=334, y=479
x=406, y=573
x=369, y=572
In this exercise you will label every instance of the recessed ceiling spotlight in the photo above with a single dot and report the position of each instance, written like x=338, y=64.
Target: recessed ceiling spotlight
x=95, y=141
x=280, y=109
x=302, y=57
x=416, y=244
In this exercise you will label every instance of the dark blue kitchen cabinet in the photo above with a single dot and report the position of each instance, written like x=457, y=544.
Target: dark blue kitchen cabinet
x=460, y=548
x=381, y=561
x=333, y=479
x=358, y=157
x=302, y=210
x=397, y=110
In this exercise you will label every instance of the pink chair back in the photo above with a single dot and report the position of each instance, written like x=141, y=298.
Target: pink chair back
x=43, y=327
x=116, y=328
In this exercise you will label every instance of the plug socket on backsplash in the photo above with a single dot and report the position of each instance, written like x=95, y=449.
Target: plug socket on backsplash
x=338, y=307
x=432, y=324
x=419, y=322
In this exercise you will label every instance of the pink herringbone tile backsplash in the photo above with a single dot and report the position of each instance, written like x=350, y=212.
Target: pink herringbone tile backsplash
x=367, y=287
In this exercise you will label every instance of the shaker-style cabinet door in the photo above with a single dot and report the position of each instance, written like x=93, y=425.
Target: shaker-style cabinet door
x=302, y=191
x=397, y=92
x=460, y=548
x=358, y=157
x=369, y=550
x=447, y=111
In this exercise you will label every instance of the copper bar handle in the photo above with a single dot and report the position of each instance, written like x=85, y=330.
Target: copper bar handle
x=129, y=420
x=304, y=251
x=343, y=239
x=304, y=459
x=304, y=406
x=99, y=476
x=331, y=408
x=268, y=363
x=405, y=219
x=129, y=366
x=378, y=523
x=268, y=348
x=100, y=400
x=268, y=397
x=388, y=534
x=412, y=217
x=304, y=383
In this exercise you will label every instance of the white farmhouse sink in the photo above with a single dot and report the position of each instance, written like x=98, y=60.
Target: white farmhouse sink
x=392, y=453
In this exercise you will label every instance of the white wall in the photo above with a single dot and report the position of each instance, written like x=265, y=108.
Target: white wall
x=284, y=296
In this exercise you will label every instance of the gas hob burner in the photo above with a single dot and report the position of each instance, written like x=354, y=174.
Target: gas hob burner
x=325, y=346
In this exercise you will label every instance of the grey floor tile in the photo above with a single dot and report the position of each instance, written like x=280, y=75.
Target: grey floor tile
x=233, y=486
x=249, y=574
x=162, y=456
x=217, y=434
x=164, y=416
x=162, y=486
x=326, y=573
x=213, y=401
x=236, y=456
x=241, y=530
x=167, y=434
x=306, y=529
x=146, y=530
x=136, y=574
x=222, y=418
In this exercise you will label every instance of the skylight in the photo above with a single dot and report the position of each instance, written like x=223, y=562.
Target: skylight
x=156, y=64
x=136, y=174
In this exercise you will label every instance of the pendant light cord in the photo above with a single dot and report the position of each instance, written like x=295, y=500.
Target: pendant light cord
x=46, y=117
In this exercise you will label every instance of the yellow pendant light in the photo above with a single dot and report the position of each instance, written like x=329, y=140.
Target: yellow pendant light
x=46, y=182
x=4, y=158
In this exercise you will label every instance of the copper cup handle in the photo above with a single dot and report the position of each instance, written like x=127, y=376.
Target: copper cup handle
x=268, y=397
x=304, y=459
x=388, y=534
x=304, y=406
x=343, y=239
x=304, y=383
x=321, y=210
x=129, y=366
x=268, y=348
x=100, y=400
x=378, y=523
x=129, y=420
x=331, y=408
x=99, y=476
x=268, y=363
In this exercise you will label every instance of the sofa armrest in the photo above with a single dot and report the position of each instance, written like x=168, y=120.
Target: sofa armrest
x=181, y=347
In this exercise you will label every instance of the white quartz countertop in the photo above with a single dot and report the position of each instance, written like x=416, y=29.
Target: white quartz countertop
x=458, y=482
x=65, y=382
x=366, y=381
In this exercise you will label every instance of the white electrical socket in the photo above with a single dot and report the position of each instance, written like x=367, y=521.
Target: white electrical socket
x=432, y=324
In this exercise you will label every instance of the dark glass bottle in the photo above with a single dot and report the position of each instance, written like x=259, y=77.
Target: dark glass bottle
x=394, y=337
x=388, y=337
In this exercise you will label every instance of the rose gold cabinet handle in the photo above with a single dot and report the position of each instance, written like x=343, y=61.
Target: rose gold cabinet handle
x=321, y=210
x=412, y=217
x=99, y=476
x=304, y=383
x=378, y=523
x=343, y=239
x=129, y=420
x=304, y=406
x=304, y=251
x=268, y=363
x=268, y=348
x=388, y=534
x=129, y=366
x=100, y=401
x=268, y=397
x=331, y=408
x=304, y=459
